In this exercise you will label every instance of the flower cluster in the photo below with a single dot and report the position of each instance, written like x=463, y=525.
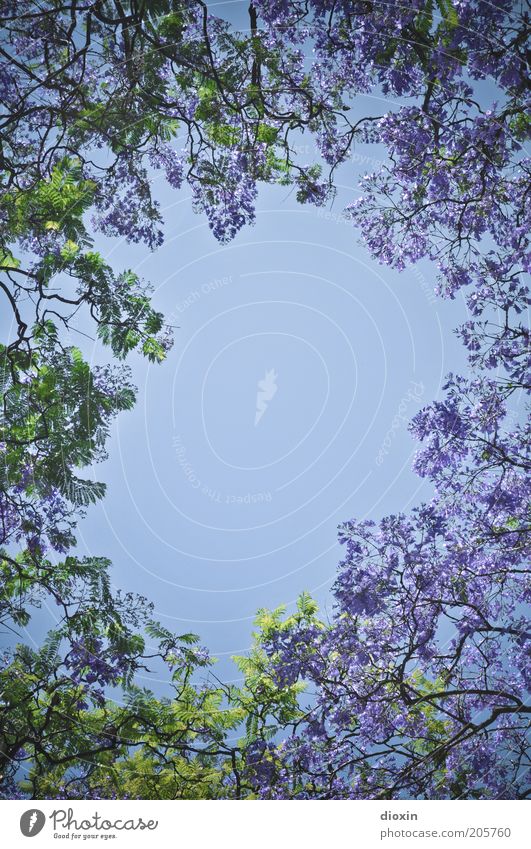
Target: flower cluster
x=420, y=683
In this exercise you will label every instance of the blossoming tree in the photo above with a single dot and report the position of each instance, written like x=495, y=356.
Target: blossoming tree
x=419, y=684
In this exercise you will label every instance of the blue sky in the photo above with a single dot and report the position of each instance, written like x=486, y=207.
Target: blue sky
x=212, y=515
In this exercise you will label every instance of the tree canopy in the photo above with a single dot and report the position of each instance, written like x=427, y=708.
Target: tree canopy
x=419, y=684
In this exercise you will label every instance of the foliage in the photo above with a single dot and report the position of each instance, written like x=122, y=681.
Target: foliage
x=418, y=686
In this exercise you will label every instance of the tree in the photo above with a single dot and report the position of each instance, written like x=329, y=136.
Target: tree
x=419, y=682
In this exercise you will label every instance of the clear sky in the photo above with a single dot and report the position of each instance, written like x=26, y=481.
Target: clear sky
x=213, y=511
